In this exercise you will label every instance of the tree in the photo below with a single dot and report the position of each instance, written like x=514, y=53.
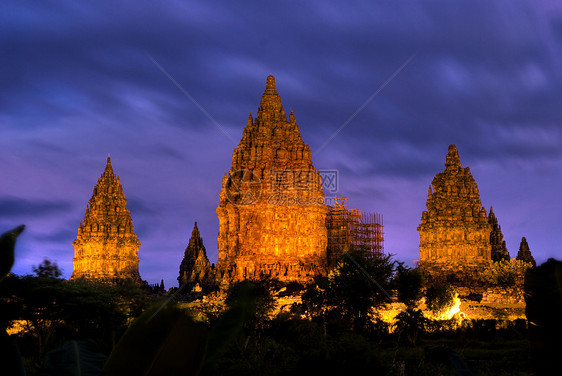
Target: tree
x=543, y=298
x=54, y=310
x=442, y=300
x=506, y=272
x=409, y=283
x=254, y=297
x=356, y=285
x=411, y=322
x=47, y=269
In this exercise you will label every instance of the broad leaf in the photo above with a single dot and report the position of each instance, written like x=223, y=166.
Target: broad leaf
x=76, y=358
x=7, y=243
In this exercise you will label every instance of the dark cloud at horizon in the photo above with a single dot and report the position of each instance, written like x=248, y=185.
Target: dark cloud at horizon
x=79, y=82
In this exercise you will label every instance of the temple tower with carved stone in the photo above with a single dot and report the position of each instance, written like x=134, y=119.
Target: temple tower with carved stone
x=271, y=211
x=499, y=247
x=524, y=253
x=454, y=231
x=106, y=246
x=195, y=267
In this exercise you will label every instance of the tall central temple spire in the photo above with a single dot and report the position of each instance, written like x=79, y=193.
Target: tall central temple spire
x=271, y=211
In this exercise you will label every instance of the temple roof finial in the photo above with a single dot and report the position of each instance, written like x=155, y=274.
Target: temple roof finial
x=270, y=84
x=108, y=167
x=195, y=233
x=270, y=105
x=453, y=160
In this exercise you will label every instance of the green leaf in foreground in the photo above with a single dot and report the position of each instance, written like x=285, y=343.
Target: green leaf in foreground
x=7, y=243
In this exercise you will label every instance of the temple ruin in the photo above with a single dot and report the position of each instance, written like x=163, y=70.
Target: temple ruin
x=499, y=248
x=454, y=230
x=195, y=267
x=524, y=253
x=271, y=211
x=106, y=246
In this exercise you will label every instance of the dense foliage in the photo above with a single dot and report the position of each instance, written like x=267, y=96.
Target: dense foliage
x=506, y=272
x=47, y=269
x=346, y=298
x=409, y=283
x=441, y=298
x=52, y=311
x=69, y=325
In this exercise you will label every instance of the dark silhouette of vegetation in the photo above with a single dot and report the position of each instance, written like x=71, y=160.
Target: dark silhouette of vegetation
x=7, y=244
x=54, y=311
x=409, y=283
x=47, y=269
x=346, y=298
x=164, y=340
x=11, y=361
x=411, y=323
x=82, y=357
x=543, y=297
x=83, y=325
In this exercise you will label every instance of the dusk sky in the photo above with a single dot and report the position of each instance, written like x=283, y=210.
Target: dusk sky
x=165, y=88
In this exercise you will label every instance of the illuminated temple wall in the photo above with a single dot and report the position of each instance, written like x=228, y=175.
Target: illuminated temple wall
x=271, y=211
x=455, y=229
x=106, y=246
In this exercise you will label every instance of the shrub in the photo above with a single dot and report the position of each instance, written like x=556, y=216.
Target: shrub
x=506, y=272
x=442, y=300
x=409, y=283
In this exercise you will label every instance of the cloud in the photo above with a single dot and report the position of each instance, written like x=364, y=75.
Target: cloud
x=78, y=83
x=12, y=208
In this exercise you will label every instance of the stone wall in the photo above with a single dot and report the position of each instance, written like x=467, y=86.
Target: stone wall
x=271, y=211
x=106, y=246
x=455, y=228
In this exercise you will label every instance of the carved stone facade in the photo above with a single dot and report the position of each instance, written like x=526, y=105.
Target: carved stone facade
x=524, y=253
x=106, y=246
x=454, y=230
x=195, y=267
x=499, y=248
x=271, y=211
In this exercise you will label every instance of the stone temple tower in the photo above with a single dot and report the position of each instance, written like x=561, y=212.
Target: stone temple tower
x=271, y=211
x=106, y=246
x=454, y=231
x=195, y=267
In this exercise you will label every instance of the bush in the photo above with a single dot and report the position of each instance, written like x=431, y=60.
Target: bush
x=506, y=272
x=356, y=285
x=442, y=300
x=409, y=283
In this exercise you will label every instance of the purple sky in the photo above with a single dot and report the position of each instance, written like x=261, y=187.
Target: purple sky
x=78, y=82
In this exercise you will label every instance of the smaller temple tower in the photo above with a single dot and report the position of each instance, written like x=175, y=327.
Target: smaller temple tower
x=524, y=253
x=195, y=267
x=454, y=231
x=106, y=246
x=499, y=248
